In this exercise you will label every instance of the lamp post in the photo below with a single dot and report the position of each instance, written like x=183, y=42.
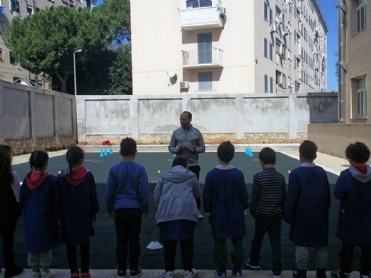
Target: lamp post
x=74, y=68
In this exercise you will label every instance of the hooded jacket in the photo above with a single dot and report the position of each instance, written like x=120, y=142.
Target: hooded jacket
x=37, y=200
x=353, y=189
x=175, y=193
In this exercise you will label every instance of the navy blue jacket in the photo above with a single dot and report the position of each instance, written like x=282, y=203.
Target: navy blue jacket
x=40, y=222
x=307, y=206
x=76, y=207
x=354, y=192
x=225, y=197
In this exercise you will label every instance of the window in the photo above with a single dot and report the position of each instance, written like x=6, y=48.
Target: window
x=271, y=51
x=29, y=10
x=270, y=16
x=361, y=15
x=12, y=60
x=204, y=48
x=88, y=3
x=265, y=47
x=271, y=85
x=265, y=10
x=265, y=83
x=361, y=98
x=278, y=46
x=278, y=78
x=284, y=81
x=198, y=3
x=297, y=87
x=205, y=81
x=14, y=6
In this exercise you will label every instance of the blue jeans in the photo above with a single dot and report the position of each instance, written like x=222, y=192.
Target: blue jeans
x=128, y=223
x=272, y=225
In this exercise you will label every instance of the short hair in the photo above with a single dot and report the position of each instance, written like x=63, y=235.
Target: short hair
x=7, y=149
x=267, y=156
x=188, y=113
x=179, y=160
x=358, y=152
x=226, y=151
x=308, y=150
x=128, y=146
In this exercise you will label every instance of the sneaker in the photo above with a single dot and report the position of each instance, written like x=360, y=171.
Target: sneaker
x=188, y=273
x=121, y=273
x=168, y=274
x=36, y=274
x=47, y=274
x=277, y=273
x=337, y=274
x=252, y=266
x=85, y=275
x=237, y=272
x=299, y=273
x=220, y=273
x=135, y=272
x=200, y=216
x=13, y=271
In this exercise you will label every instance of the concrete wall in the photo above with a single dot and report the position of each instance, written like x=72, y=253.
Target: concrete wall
x=240, y=118
x=334, y=138
x=35, y=118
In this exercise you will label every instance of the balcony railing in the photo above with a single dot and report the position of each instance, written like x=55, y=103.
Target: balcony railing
x=202, y=59
x=201, y=18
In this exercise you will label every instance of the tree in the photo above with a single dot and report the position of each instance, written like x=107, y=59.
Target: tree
x=46, y=41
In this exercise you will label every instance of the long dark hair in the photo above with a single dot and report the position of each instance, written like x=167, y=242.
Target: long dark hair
x=73, y=156
x=38, y=159
x=6, y=176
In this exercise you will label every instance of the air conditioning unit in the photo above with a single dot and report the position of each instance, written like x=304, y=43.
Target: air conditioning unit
x=273, y=28
x=285, y=32
x=222, y=11
x=15, y=14
x=184, y=84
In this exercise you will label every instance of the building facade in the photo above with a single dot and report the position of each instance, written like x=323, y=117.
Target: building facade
x=10, y=70
x=228, y=46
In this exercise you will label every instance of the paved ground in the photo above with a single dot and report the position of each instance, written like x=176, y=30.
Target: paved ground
x=156, y=158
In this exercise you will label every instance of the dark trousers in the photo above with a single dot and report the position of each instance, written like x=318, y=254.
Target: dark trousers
x=72, y=257
x=346, y=258
x=196, y=170
x=220, y=253
x=186, y=247
x=272, y=225
x=7, y=233
x=128, y=223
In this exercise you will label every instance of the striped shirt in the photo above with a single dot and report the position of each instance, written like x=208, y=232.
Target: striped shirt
x=268, y=192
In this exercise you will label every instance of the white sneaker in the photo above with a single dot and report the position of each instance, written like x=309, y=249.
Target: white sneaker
x=200, y=216
x=35, y=274
x=47, y=274
x=168, y=274
x=190, y=274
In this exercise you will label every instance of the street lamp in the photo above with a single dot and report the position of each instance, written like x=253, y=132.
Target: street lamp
x=74, y=68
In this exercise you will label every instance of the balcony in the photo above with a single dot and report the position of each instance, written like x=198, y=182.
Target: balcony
x=202, y=18
x=202, y=59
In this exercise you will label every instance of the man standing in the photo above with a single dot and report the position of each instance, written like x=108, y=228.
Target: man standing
x=187, y=142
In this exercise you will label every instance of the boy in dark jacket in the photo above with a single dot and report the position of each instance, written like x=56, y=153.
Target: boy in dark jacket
x=307, y=210
x=353, y=189
x=268, y=194
x=225, y=199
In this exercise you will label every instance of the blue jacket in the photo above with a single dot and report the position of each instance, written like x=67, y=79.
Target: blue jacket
x=76, y=207
x=354, y=192
x=127, y=187
x=40, y=221
x=225, y=197
x=307, y=206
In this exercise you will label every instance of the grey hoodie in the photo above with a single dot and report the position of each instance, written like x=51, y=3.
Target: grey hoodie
x=359, y=176
x=175, y=193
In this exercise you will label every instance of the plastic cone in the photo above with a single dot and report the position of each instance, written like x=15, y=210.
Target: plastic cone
x=101, y=153
x=110, y=150
x=105, y=152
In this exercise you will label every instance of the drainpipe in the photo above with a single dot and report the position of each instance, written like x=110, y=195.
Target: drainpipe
x=341, y=58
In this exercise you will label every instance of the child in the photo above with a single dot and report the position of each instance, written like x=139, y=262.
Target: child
x=267, y=201
x=9, y=210
x=77, y=208
x=176, y=192
x=353, y=189
x=225, y=199
x=307, y=210
x=127, y=200
x=41, y=225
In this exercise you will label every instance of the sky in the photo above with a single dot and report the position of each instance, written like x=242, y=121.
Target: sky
x=329, y=11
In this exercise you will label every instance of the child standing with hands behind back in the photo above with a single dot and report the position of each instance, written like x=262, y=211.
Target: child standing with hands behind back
x=41, y=225
x=77, y=207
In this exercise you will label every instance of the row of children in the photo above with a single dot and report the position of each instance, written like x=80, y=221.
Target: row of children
x=305, y=207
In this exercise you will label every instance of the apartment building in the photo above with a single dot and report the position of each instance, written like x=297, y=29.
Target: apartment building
x=355, y=61
x=10, y=70
x=228, y=46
